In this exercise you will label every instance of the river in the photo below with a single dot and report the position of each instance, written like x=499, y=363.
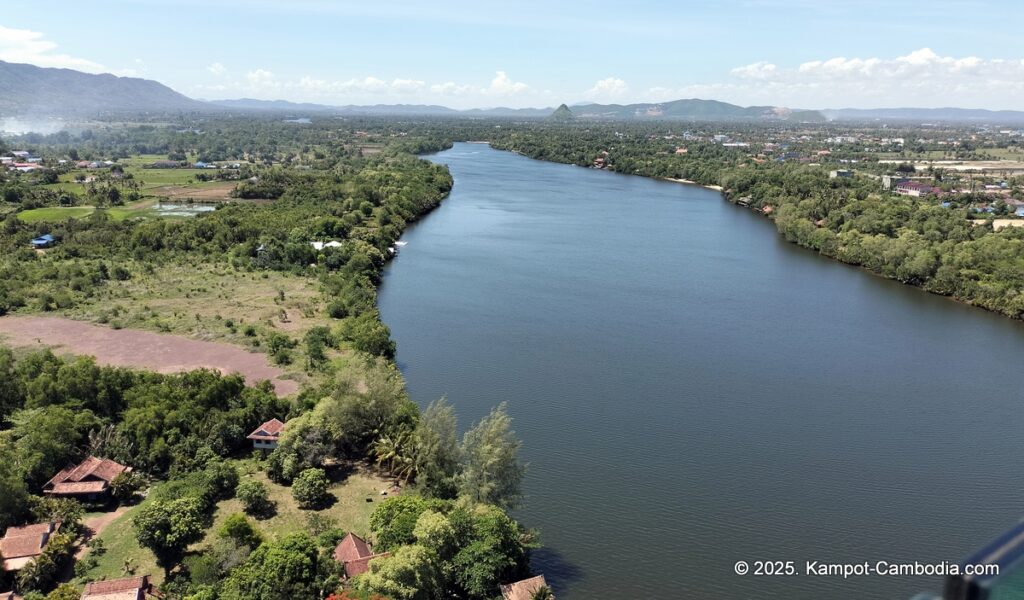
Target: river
x=692, y=391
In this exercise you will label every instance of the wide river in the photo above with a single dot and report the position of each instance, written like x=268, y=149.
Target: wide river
x=692, y=391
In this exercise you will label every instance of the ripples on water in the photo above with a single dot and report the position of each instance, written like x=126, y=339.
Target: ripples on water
x=692, y=391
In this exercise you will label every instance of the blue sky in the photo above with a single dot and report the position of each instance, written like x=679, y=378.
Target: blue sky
x=799, y=53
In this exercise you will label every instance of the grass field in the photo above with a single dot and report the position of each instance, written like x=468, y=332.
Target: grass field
x=213, y=302
x=350, y=511
x=355, y=497
x=55, y=213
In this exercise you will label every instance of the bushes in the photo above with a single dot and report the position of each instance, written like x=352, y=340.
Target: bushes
x=310, y=488
x=253, y=495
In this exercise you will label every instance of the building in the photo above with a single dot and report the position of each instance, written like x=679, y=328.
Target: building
x=88, y=480
x=9, y=596
x=129, y=588
x=355, y=555
x=21, y=545
x=523, y=590
x=43, y=241
x=891, y=181
x=267, y=435
x=916, y=189
x=840, y=173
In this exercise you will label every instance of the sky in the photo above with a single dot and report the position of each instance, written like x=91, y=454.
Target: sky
x=481, y=53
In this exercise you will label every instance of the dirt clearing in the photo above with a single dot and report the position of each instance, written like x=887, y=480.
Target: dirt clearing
x=141, y=349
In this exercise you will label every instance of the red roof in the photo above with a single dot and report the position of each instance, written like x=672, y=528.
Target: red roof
x=354, y=553
x=90, y=469
x=271, y=430
x=129, y=587
x=20, y=544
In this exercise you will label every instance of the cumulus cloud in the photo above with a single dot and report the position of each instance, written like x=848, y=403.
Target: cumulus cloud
x=217, y=69
x=922, y=77
x=502, y=85
x=32, y=47
x=609, y=88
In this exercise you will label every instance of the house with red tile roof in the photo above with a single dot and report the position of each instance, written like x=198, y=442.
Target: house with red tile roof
x=355, y=555
x=129, y=588
x=267, y=435
x=523, y=590
x=21, y=545
x=87, y=480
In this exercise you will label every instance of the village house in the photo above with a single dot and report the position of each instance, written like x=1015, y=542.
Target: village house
x=88, y=480
x=267, y=435
x=129, y=588
x=21, y=545
x=916, y=189
x=523, y=590
x=840, y=173
x=355, y=555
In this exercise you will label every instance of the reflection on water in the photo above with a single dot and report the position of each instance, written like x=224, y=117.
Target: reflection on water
x=177, y=209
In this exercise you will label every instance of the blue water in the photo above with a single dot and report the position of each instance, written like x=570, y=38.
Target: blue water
x=692, y=391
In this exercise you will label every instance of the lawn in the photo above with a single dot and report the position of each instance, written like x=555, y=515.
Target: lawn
x=121, y=550
x=350, y=511
x=356, y=495
x=55, y=213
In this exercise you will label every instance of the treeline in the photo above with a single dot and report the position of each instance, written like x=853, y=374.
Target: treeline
x=914, y=240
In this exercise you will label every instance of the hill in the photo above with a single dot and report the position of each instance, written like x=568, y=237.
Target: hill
x=925, y=114
x=562, y=113
x=693, y=109
x=35, y=91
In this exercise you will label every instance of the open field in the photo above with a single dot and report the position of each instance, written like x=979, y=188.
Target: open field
x=141, y=349
x=355, y=495
x=350, y=511
x=55, y=213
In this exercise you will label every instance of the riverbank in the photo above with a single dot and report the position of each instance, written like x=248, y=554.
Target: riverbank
x=716, y=188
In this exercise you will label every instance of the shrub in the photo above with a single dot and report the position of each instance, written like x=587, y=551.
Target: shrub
x=253, y=495
x=310, y=488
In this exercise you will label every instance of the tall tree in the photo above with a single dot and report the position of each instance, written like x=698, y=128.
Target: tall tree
x=491, y=472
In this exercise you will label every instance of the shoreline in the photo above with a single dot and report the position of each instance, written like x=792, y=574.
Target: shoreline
x=716, y=188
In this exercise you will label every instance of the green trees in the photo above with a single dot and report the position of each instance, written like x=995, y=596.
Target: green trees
x=241, y=531
x=291, y=567
x=253, y=495
x=436, y=455
x=167, y=527
x=443, y=545
x=310, y=488
x=491, y=473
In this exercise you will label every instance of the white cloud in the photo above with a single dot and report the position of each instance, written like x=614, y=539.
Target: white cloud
x=217, y=69
x=502, y=85
x=609, y=88
x=26, y=46
x=919, y=78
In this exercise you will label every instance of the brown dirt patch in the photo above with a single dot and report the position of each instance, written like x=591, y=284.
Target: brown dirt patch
x=142, y=349
x=213, y=191
x=95, y=526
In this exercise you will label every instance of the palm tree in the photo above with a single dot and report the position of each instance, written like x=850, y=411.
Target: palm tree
x=543, y=593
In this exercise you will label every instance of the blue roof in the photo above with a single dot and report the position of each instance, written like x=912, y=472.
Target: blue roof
x=43, y=238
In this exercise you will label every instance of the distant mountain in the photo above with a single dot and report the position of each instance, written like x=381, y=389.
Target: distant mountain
x=35, y=91
x=925, y=114
x=693, y=109
x=247, y=104
x=562, y=113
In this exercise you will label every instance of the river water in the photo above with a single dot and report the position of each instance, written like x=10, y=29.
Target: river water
x=693, y=391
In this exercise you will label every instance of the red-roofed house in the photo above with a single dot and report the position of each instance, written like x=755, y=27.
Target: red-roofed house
x=129, y=588
x=21, y=545
x=88, y=480
x=355, y=555
x=266, y=435
x=523, y=590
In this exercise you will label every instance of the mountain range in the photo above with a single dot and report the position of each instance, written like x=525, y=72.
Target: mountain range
x=31, y=91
